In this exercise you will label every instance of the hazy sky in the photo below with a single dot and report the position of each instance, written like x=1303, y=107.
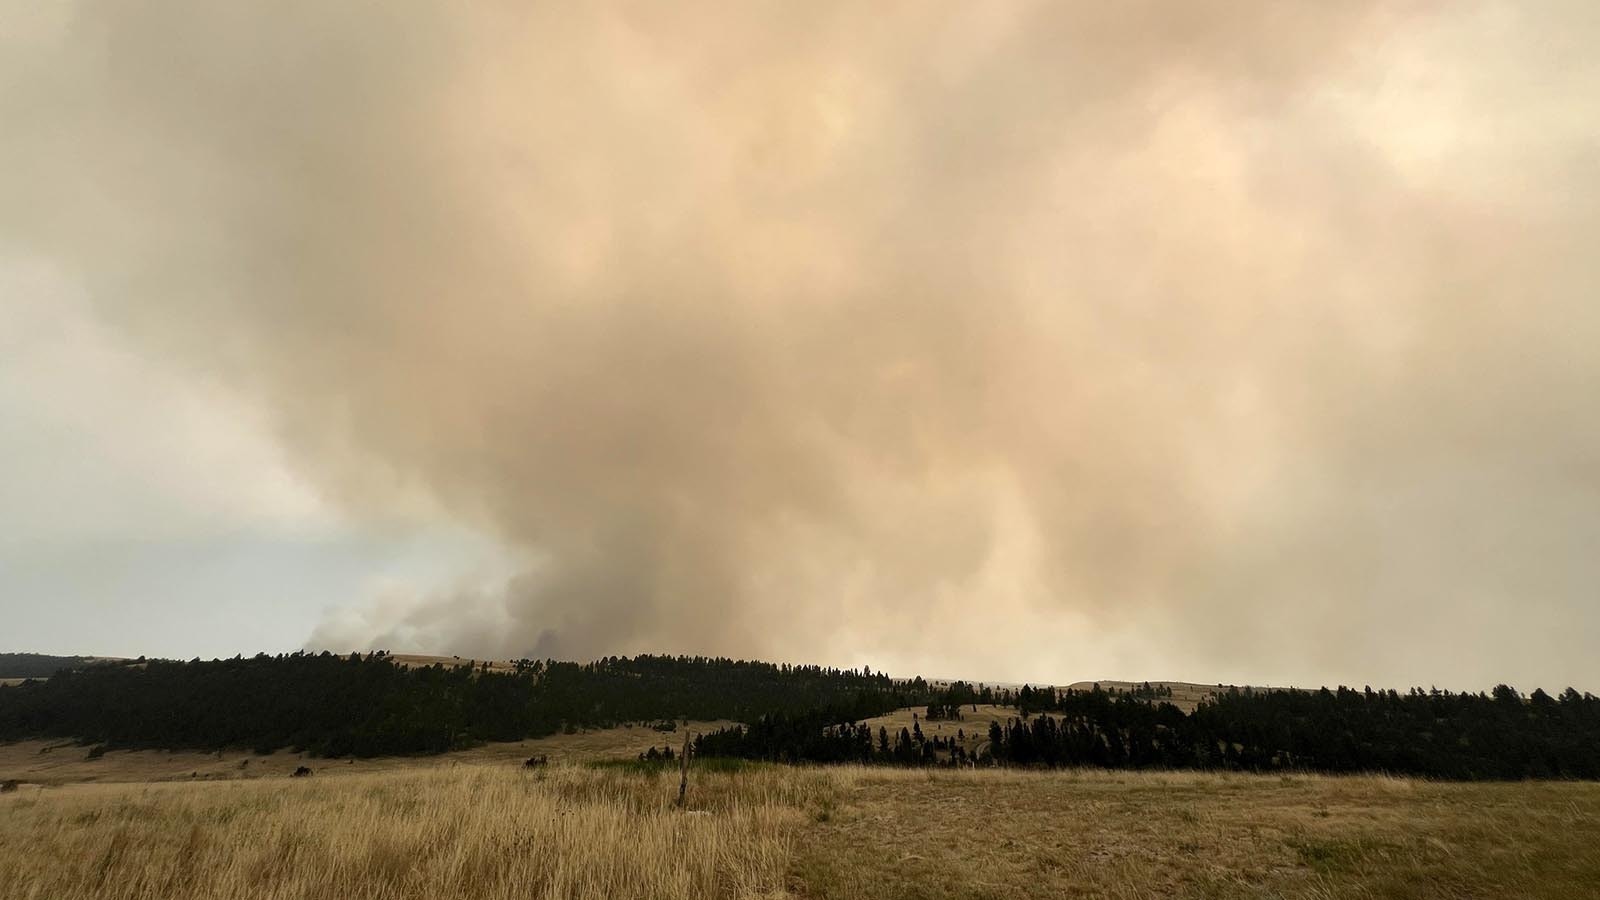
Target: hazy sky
x=1254, y=342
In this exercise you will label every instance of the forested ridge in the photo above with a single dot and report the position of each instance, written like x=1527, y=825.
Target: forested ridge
x=1434, y=733
x=371, y=705
x=1430, y=733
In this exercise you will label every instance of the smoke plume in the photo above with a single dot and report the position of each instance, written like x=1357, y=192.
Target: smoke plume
x=1252, y=341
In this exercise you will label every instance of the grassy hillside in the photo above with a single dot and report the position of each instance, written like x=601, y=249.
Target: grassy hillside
x=1185, y=695
x=16, y=666
x=973, y=724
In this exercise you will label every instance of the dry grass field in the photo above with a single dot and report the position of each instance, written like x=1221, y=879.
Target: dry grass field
x=494, y=830
x=479, y=832
x=994, y=834
x=65, y=762
x=974, y=724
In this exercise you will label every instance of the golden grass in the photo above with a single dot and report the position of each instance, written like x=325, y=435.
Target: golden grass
x=974, y=723
x=470, y=832
x=58, y=762
x=497, y=831
x=971, y=834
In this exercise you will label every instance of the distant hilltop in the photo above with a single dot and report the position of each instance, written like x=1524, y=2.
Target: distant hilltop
x=15, y=666
x=1185, y=695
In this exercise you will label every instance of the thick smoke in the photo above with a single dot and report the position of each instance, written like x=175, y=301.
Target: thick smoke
x=1246, y=341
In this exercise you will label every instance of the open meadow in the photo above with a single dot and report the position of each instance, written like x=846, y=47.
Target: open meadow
x=58, y=762
x=477, y=829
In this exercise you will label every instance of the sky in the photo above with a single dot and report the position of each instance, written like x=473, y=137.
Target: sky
x=1244, y=342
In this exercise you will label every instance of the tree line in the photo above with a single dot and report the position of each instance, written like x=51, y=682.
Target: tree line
x=1500, y=735
x=372, y=706
x=823, y=736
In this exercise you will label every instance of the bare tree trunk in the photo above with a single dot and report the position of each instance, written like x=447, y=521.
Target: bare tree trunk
x=683, y=768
